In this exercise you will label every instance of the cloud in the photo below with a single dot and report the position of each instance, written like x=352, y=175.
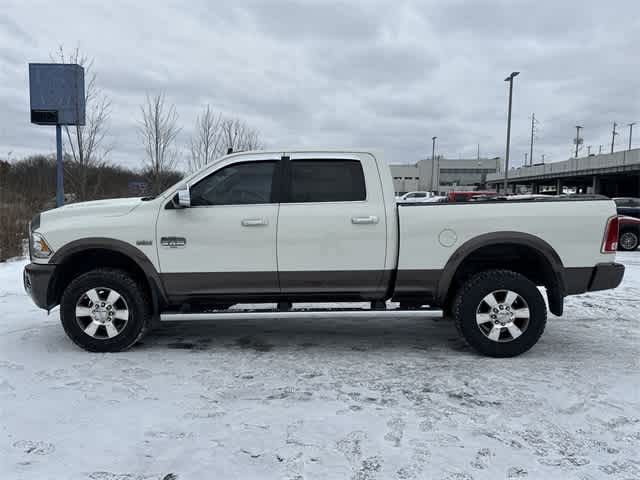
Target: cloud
x=361, y=73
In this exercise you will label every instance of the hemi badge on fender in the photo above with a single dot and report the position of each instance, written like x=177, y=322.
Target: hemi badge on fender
x=144, y=243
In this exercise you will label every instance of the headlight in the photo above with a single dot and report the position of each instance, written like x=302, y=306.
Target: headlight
x=39, y=246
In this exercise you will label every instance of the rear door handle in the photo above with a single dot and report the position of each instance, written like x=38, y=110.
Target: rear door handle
x=254, y=222
x=364, y=220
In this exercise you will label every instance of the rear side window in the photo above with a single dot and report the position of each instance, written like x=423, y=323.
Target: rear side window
x=327, y=181
x=237, y=184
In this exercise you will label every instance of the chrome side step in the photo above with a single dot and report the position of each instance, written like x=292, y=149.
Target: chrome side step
x=301, y=313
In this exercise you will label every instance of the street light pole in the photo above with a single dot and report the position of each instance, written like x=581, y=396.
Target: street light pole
x=533, y=122
x=578, y=127
x=631, y=133
x=613, y=136
x=506, y=159
x=433, y=161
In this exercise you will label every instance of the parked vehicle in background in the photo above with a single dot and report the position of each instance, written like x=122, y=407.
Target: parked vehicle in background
x=628, y=206
x=466, y=196
x=415, y=197
x=629, y=237
x=315, y=226
x=437, y=199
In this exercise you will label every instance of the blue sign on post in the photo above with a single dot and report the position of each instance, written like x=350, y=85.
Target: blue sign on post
x=56, y=92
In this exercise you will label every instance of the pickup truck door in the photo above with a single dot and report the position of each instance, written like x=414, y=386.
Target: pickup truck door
x=225, y=243
x=331, y=226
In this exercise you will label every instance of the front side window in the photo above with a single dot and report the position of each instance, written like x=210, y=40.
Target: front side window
x=237, y=184
x=327, y=181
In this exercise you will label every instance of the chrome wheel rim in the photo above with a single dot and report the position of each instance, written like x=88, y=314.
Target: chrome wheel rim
x=102, y=313
x=628, y=241
x=502, y=316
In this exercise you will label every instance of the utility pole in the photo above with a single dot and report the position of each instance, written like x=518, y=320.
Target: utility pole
x=433, y=161
x=599, y=149
x=543, y=158
x=578, y=127
x=533, y=120
x=631, y=133
x=506, y=160
x=613, y=136
x=478, y=152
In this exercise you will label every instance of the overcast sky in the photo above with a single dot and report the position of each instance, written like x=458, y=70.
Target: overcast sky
x=388, y=75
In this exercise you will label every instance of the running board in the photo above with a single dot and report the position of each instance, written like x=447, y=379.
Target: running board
x=306, y=313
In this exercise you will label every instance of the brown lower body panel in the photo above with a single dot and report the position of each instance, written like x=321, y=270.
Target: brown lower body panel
x=246, y=287
x=417, y=285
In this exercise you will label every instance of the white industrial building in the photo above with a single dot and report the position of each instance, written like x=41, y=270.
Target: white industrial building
x=444, y=174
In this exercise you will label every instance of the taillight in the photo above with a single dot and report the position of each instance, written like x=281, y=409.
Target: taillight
x=610, y=243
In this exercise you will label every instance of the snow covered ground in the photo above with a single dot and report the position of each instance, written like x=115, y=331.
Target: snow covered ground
x=318, y=398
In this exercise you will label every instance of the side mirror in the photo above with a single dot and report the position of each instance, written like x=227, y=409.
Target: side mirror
x=182, y=199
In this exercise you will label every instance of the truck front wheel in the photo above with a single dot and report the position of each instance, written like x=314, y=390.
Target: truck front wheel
x=105, y=310
x=500, y=313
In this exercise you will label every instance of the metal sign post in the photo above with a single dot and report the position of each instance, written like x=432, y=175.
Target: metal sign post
x=59, y=168
x=57, y=98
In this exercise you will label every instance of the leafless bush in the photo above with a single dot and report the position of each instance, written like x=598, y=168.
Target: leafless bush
x=28, y=186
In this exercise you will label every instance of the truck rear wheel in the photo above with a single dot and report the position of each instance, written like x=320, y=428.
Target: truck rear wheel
x=105, y=310
x=500, y=313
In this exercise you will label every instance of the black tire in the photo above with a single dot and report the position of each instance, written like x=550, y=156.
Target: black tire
x=630, y=240
x=468, y=302
x=137, y=301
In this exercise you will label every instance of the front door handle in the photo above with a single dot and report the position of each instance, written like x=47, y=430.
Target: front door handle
x=254, y=222
x=364, y=220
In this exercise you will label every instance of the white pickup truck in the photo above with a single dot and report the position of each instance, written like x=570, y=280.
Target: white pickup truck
x=316, y=226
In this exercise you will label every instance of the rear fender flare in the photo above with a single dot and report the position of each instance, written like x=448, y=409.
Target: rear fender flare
x=555, y=293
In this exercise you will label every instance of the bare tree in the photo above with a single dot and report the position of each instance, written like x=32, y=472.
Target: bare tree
x=158, y=129
x=206, y=141
x=87, y=142
x=215, y=134
x=239, y=136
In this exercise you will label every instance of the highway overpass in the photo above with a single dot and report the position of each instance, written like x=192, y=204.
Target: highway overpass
x=615, y=175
